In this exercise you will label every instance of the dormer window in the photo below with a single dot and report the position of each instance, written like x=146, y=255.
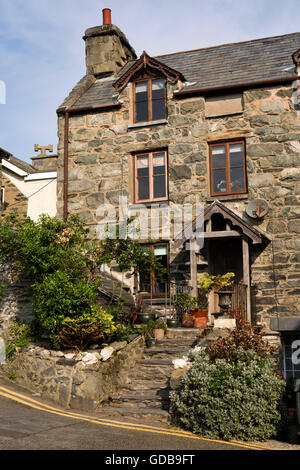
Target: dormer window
x=149, y=99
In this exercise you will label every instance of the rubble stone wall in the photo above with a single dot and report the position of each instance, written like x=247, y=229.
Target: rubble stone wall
x=81, y=381
x=101, y=163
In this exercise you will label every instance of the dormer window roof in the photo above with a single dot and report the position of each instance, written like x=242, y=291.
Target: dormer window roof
x=150, y=66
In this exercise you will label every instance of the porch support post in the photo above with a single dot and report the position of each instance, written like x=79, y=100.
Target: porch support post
x=193, y=267
x=246, y=276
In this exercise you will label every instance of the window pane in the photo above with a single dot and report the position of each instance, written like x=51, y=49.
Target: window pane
x=143, y=166
x=236, y=154
x=141, y=111
x=158, y=88
x=145, y=282
x=143, y=189
x=159, y=164
x=161, y=283
x=141, y=91
x=219, y=181
x=159, y=186
x=160, y=250
x=218, y=156
x=158, y=109
x=237, y=179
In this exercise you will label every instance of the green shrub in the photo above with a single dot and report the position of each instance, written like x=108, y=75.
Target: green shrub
x=57, y=297
x=21, y=334
x=94, y=326
x=236, y=399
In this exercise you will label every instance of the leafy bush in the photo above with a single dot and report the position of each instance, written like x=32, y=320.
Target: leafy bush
x=63, y=264
x=230, y=399
x=58, y=297
x=245, y=336
x=21, y=334
x=81, y=331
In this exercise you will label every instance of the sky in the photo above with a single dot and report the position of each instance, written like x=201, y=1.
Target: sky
x=42, y=53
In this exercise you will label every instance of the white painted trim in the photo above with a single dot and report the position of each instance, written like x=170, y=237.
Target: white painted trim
x=41, y=176
x=13, y=168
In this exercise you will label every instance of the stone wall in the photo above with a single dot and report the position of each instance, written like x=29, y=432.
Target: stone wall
x=101, y=163
x=16, y=302
x=15, y=201
x=81, y=381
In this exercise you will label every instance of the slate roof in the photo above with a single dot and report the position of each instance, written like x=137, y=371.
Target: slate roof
x=224, y=65
x=17, y=162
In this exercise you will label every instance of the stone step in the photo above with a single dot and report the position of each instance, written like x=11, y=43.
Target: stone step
x=143, y=399
x=153, y=413
x=167, y=351
x=155, y=362
x=180, y=333
x=176, y=341
x=143, y=385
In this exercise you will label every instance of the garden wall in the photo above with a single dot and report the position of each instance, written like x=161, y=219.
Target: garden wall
x=81, y=381
x=16, y=302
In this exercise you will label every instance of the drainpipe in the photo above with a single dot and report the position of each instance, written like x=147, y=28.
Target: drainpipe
x=67, y=112
x=66, y=164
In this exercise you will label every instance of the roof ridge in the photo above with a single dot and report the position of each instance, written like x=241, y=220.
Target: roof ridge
x=228, y=44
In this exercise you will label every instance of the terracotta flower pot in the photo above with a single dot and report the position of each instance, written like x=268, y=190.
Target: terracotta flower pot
x=200, y=322
x=200, y=313
x=187, y=320
x=158, y=333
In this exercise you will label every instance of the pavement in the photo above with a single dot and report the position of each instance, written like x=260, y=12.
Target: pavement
x=28, y=422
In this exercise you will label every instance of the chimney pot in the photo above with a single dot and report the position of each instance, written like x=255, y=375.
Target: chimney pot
x=106, y=16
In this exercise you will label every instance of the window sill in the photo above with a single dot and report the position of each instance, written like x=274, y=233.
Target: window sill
x=147, y=123
x=228, y=197
x=148, y=204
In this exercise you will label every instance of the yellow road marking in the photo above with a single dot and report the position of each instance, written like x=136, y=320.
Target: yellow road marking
x=23, y=399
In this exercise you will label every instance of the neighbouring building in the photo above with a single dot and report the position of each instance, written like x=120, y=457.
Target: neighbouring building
x=217, y=126
x=28, y=190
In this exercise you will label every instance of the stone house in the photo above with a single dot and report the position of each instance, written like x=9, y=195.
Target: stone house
x=28, y=190
x=216, y=127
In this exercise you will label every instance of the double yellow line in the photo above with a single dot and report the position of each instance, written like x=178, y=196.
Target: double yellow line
x=25, y=400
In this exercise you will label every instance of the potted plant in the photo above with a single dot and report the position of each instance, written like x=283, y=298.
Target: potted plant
x=183, y=303
x=173, y=322
x=159, y=329
x=200, y=310
x=147, y=332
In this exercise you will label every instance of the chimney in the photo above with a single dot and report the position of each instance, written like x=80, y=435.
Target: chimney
x=107, y=49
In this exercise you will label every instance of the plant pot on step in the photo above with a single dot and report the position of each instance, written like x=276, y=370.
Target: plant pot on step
x=150, y=342
x=172, y=322
x=144, y=317
x=187, y=320
x=200, y=322
x=158, y=333
x=200, y=313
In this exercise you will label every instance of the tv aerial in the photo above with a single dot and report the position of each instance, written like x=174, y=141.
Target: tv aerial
x=257, y=208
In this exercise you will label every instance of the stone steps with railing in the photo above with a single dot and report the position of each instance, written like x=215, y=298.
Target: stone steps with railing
x=147, y=389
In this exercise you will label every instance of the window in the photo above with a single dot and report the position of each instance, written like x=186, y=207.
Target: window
x=149, y=285
x=291, y=355
x=149, y=100
x=151, y=176
x=227, y=168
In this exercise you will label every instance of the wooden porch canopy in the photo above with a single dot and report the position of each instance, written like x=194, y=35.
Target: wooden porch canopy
x=236, y=227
